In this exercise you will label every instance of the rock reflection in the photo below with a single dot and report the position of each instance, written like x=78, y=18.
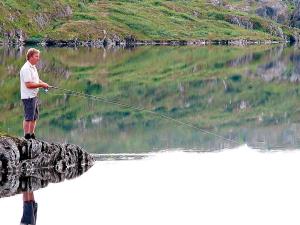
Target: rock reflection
x=28, y=165
x=12, y=183
x=280, y=65
x=30, y=208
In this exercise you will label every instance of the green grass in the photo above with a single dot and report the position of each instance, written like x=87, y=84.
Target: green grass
x=146, y=20
x=82, y=16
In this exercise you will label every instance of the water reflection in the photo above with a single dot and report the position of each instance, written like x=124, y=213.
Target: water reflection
x=248, y=94
x=30, y=208
x=28, y=181
x=118, y=157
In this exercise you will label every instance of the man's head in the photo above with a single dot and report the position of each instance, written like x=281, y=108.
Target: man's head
x=33, y=56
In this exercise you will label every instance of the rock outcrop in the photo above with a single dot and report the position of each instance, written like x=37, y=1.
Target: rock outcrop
x=44, y=19
x=14, y=35
x=274, y=10
x=19, y=155
x=279, y=15
x=295, y=17
x=27, y=165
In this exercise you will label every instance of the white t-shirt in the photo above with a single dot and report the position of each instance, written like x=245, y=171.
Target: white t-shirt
x=28, y=73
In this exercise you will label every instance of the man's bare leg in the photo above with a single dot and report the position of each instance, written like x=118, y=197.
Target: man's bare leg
x=32, y=126
x=28, y=196
x=29, y=129
x=26, y=127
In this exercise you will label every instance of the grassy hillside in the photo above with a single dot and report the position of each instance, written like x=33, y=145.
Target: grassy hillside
x=145, y=20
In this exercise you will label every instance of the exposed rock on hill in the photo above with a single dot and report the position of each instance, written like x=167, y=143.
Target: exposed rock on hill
x=274, y=10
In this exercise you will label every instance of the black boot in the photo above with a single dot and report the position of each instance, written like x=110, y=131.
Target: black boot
x=27, y=136
x=32, y=136
x=35, y=207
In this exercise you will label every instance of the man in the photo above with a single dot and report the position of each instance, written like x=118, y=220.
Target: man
x=29, y=85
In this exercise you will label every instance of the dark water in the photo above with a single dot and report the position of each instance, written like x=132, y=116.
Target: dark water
x=248, y=94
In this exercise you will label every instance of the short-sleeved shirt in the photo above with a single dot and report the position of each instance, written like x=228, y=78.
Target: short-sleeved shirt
x=28, y=73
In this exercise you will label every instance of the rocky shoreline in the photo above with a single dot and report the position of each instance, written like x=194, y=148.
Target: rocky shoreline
x=21, y=155
x=132, y=42
x=19, y=38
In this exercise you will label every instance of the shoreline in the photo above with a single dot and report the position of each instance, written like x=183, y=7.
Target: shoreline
x=131, y=42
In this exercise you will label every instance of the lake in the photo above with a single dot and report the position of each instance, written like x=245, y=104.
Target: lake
x=239, y=165
x=239, y=186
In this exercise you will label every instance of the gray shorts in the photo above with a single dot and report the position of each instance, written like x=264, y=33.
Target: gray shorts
x=31, y=108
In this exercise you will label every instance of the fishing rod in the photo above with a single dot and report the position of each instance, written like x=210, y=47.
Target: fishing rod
x=140, y=109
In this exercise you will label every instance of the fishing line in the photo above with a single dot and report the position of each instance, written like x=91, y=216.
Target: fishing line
x=98, y=98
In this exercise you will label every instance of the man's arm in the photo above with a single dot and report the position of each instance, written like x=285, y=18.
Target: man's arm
x=32, y=85
x=26, y=76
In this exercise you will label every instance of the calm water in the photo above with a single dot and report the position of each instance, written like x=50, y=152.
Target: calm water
x=247, y=94
x=240, y=186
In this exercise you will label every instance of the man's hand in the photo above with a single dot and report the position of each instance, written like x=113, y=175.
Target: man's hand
x=44, y=85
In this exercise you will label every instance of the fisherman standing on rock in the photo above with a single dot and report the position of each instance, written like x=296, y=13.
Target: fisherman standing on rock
x=29, y=87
